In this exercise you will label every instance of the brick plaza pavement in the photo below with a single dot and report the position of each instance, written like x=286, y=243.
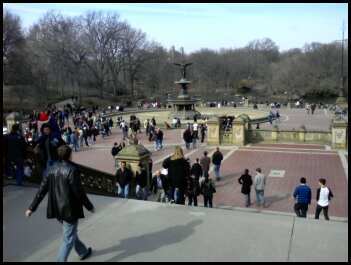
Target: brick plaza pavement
x=310, y=161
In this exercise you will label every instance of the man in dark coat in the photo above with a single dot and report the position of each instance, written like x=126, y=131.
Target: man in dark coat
x=188, y=138
x=47, y=146
x=246, y=182
x=196, y=170
x=192, y=191
x=66, y=198
x=15, y=146
x=217, y=158
x=141, y=183
x=123, y=178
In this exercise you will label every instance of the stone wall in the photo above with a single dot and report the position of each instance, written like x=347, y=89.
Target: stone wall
x=260, y=135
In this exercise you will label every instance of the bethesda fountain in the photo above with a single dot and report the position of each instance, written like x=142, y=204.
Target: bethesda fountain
x=183, y=106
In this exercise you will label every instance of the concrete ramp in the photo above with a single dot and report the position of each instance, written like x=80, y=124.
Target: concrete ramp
x=130, y=230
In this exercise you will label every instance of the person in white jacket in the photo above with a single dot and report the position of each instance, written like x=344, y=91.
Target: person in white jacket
x=259, y=185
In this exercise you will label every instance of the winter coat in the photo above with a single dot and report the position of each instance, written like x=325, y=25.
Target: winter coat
x=178, y=172
x=246, y=181
x=66, y=196
x=217, y=158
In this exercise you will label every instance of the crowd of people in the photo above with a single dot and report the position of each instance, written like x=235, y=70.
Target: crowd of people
x=177, y=180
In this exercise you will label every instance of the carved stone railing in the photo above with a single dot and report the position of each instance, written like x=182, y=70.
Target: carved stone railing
x=94, y=181
x=97, y=182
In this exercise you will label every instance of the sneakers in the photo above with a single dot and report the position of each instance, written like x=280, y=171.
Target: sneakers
x=87, y=255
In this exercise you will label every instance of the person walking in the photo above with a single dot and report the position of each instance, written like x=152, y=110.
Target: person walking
x=194, y=136
x=207, y=190
x=187, y=136
x=15, y=147
x=114, y=151
x=66, y=198
x=191, y=191
x=123, y=178
x=159, y=186
x=141, y=183
x=47, y=146
x=203, y=132
x=246, y=181
x=205, y=163
x=196, y=170
x=159, y=139
x=324, y=195
x=302, y=195
x=178, y=171
x=259, y=184
x=217, y=158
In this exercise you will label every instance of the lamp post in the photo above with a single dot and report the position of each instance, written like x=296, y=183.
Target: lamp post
x=341, y=100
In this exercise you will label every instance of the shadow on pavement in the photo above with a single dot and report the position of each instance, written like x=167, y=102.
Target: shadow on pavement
x=149, y=242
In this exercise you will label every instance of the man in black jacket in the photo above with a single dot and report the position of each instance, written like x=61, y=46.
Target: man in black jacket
x=15, y=147
x=141, y=183
x=159, y=186
x=246, y=182
x=65, y=202
x=217, y=158
x=114, y=151
x=123, y=178
x=187, y=137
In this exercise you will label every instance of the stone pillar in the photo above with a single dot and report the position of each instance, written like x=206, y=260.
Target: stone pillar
x=11, y=119
x=134, y=154
x=275, y=134
x=213, y=131
x=289, y=105
x=246, y=102
x=239, y=132
x=339, y=134
x=302, y=134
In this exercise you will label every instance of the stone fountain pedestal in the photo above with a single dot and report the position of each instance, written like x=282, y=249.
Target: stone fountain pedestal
x=183, y=106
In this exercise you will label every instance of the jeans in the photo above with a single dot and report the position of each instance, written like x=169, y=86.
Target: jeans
x=247, y=200
x=178, y=196
x=216, y=171
x=161, y=195
x=301, y=209
x=141, y=193
x=76, y=145
x=123, y=191
x=325, y=212
x=208, y=201
x=70, y=239
x=158, y=144
x=19, y=172
x=260, y=197
x=49, y=163
x=192, y=198
x=187, y=145
x=194, y=142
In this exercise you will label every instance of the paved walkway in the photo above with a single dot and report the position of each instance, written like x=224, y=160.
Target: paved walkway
x=295, y=160
x=294, y=118
x=130, y=230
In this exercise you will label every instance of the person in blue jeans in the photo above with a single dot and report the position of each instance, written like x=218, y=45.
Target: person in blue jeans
x=123, y=178
x=66, y=198
x=302, y=195
x=259, y=185
x=217, y=158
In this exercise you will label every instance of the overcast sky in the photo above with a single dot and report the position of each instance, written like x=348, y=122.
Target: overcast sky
x=214, y=26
